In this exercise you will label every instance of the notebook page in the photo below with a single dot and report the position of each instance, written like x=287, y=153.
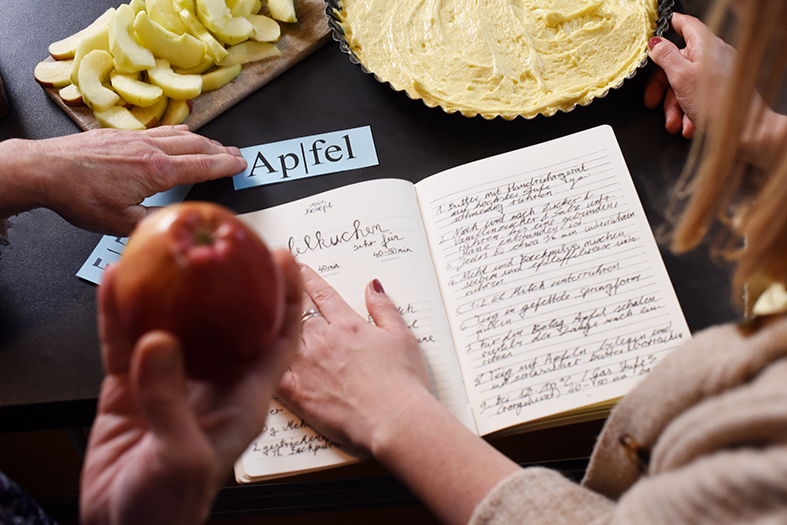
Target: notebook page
x=555, y=289
x=352, y=235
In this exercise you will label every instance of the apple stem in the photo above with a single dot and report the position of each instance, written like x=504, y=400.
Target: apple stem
x=203, y=237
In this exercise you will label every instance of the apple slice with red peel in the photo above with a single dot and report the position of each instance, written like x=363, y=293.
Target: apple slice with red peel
x=53, y=73
x=150, y=116
x=71, y=96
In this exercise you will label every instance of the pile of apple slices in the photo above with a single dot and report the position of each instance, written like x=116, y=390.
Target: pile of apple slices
x=142, y=64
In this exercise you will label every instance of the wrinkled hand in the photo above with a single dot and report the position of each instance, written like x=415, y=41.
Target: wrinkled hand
x=162, y=445
x=689, y=96
x=97, y=179
x=350, y=375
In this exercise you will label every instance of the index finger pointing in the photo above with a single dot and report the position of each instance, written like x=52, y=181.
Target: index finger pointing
x=328, y=301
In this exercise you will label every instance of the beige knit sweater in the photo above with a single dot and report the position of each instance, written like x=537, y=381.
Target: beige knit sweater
x=712, y=419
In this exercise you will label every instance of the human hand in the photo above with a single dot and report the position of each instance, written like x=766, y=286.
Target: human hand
x=366, y=385
x=689, y=95
x=351, y=376
x=162, y=445
x=97, y=179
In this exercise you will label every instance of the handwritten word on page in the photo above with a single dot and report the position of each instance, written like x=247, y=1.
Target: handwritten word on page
x=555, y=287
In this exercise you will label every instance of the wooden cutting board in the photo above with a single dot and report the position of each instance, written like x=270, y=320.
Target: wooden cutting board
x=297, y=41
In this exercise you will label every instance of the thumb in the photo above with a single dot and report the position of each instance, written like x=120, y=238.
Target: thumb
x=666, y=55
x=383, y=311
x=159, y=377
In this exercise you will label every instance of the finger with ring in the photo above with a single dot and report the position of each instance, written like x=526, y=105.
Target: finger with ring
x=308, y=314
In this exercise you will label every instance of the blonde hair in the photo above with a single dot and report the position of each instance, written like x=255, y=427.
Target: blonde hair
x=718, y=186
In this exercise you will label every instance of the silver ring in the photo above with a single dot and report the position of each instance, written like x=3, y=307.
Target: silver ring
x=308, y=314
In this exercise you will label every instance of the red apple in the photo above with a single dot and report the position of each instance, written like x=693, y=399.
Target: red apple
x=196, y=270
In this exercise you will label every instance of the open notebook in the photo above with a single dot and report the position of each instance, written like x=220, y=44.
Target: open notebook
x=531, y=280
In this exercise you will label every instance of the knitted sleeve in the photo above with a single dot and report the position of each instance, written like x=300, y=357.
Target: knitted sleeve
x=541, y=496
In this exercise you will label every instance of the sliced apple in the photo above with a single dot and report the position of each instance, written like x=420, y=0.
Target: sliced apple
x=66, y=48
x=121, y=101
x=94, y=40
x=129, y=55
x=135, y=91
x=241, y=7
x=137, y=5
x=174, y=85
x=188, y=5
x=165, y=13
x=93, y=68
x=71, y=96
x=215, y=49
x=219, y=77
x=257, y=7
x=151, y=115
x=266, y=29
x=177, y=112
x=205, y=65
x=53, y=73
x=185, y=51
x=249, y=51
x=216, y=16
x=117, y=117
x=282, y=10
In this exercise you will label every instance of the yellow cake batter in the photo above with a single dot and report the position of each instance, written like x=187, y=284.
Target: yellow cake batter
x=500, y=57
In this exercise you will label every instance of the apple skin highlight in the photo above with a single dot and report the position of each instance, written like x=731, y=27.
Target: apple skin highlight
x=199, y=272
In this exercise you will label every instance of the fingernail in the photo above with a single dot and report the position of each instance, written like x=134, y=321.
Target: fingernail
x=182, y=127
x=234, y=151
x=377, y=286
x=653, y=42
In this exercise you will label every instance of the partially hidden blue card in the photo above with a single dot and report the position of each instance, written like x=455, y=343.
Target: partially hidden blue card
x=109, y=248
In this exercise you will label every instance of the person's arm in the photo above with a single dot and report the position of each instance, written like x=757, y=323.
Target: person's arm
x=97, y=179
x=691, y=81
x=365, y=384
x=450, y=469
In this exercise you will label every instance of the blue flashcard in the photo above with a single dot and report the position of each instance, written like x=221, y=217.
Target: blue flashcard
x=307, y=157
x=109, y=248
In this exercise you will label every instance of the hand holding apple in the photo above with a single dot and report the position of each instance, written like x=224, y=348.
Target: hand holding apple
x=197, y=271
x=162, y=444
